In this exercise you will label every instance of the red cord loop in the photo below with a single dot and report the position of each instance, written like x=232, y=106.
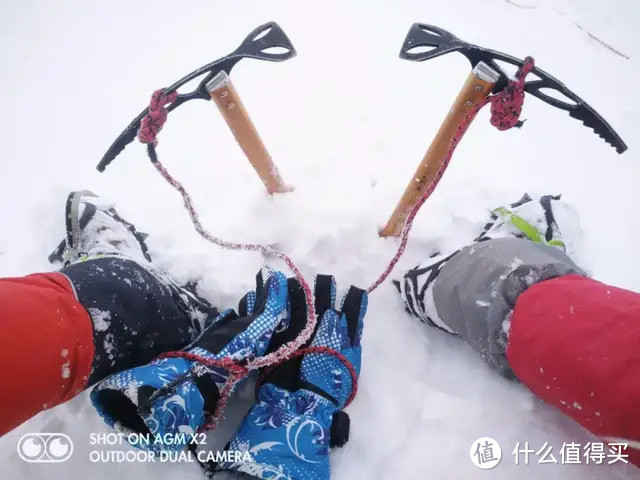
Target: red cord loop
x=506, y=106
x=237, y=372
x=233, y=367
x=154, y=120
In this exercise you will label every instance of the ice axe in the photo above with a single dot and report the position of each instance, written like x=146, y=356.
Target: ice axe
x=266, y=42
x=424, y=42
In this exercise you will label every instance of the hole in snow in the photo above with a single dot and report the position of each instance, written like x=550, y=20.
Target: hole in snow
x=275, y=50
x=419, y=49
x=262, y=34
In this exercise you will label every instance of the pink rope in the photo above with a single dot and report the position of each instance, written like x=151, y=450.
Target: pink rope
x=285, y=350
x=505, y=112
x=150, y=126
x=506, y=107
x=156, y=116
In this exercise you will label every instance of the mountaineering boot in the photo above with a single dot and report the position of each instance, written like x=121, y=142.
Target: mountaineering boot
x=137, y=310
x=95, y=228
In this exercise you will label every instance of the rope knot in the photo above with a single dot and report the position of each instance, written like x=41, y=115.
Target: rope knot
x=506, y=106
x=154, y=120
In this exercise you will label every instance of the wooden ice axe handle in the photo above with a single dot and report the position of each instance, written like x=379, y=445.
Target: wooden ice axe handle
x=226, y=97
x=478, y=86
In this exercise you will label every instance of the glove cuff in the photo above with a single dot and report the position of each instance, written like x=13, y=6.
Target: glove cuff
x=165, y=398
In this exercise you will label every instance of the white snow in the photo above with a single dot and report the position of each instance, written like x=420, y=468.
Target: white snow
x=66, y=370
x=100, y=319
x=109, y=347
x=347, y=122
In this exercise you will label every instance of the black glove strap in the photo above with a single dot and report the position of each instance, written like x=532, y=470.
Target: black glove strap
x=339, y=431
x=209, y=391
x=218, y=335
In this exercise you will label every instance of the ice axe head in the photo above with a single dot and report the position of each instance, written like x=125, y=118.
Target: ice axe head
x=266, y=42
x=424, y=42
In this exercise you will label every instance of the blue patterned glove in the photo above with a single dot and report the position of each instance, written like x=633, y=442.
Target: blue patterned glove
x=171, y=397
x=298, y=414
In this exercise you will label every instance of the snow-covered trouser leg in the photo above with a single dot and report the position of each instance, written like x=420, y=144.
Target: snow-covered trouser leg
x=60, y=332
x=534, y=316
x=546, y=220
x=46, y=346
x=137, y=312
x=472, y=292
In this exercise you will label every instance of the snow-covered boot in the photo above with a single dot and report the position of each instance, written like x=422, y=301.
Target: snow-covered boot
x=546, y=219
x=95, y=229
x=469, y=291
x=137, y=310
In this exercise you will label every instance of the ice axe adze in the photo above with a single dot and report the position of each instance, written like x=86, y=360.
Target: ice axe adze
x=267, y=42
x=424, y=42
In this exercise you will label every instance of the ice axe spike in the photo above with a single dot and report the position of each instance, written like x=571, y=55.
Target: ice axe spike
x=217, y=85
x=486, y=77
x=443, y=42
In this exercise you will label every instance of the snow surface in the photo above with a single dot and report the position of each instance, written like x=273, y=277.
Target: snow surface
x=347, y=123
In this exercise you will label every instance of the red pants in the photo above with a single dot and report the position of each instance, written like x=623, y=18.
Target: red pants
x=46, y=346
x=575, y=343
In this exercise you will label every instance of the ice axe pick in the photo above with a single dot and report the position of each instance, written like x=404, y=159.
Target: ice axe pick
x=266, y=42
x=424, y=42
